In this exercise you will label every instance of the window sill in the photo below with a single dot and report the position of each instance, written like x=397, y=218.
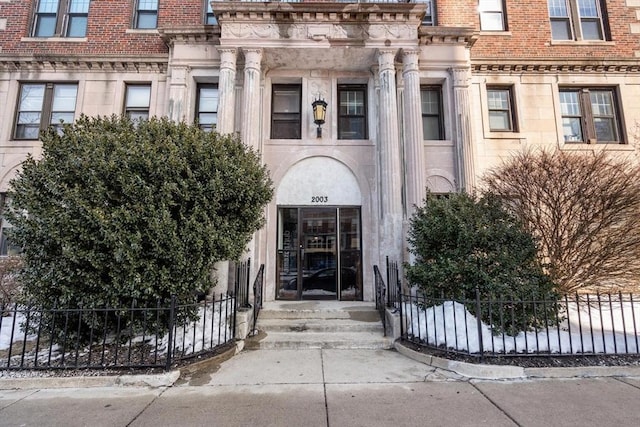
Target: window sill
x=438, y=142
x=495, y=33
x=502, y=135
x=582, y=43
x=580, y=146
x=141, y=31
x=55, y=39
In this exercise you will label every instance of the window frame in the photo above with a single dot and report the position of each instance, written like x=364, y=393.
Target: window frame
x=209, y=15
x=486, y=11
x=63, y=17
x=440, y=114
x=286, y=117
x=138, y=12
x=198, y=111
x=574, y=21
x=136, y=109
x=342, y=117
x=587, y=117
x=511, y=110
x=46, y=110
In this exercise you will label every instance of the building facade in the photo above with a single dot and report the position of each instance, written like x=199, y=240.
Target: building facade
x=419, y=95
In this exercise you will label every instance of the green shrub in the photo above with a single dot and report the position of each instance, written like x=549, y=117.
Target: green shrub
x=119, y=213
x=462, y=243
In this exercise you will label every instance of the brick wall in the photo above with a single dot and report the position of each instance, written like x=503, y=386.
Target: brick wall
x=107, y=28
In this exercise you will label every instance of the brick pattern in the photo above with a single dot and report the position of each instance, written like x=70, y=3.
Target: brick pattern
x=107, y=28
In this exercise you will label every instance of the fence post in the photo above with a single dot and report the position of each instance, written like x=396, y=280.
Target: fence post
x=245, y=301
x=172, y=313
x=479, y=323
x=388, y=283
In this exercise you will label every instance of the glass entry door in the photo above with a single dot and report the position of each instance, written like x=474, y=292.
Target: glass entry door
x=319, y=254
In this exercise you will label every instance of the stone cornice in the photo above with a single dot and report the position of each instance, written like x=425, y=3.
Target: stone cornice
x=68, y=63
x=190, y=34
x=557, y=66
x=447, y=35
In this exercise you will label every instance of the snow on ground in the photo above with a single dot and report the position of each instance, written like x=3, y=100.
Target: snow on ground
x=585, y=331
x=10, y=327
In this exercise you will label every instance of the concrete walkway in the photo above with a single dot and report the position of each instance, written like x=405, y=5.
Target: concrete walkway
x=331, y=388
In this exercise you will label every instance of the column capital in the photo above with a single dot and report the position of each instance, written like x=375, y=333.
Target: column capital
x=252, y=58
x=228, y=58
x=386, y=59
x=461, y=76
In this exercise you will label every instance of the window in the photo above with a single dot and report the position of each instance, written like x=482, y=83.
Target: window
x=44, y=104
x=492, y=17
x=209, y=17
x=285, y=111
x=66, y=18
x=502, y=116
x=6, y=247
x=137, y=102
x=589, y=115
x=429, y=16
x=207, y=106
x=576, y=19
x=352, y=112
x=146, y=14
x=431, y=98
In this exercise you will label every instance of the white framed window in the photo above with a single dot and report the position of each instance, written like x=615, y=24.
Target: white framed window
x=137, y=101
x=492, y=15
x=432, y=115
x=590, y=115
x=146, y=14
x=286, y=106
x=577, y=19
x=44, y=104
x=502, y=113
x=61, y=18
x=352, y=111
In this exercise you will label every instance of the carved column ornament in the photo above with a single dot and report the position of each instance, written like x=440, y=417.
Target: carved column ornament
x=227, y=90
x=464, y=140
x=251, y=98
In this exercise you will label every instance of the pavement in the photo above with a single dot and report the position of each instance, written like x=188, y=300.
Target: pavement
x=324, y=387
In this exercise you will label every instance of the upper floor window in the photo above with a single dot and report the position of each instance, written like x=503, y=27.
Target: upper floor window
x=62, y=18
x=502, y=117
x=137, y=101
x=431, y=100
x=42, y=105
x=352, y=112
x=209, y=17
x=492, y=16
x=146, y=14
x=429, y=16
x=590, y=115
x=207, y=106
x=285, y=111
x=576, y=19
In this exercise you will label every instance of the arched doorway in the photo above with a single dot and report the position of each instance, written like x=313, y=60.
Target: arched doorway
x=319, y=253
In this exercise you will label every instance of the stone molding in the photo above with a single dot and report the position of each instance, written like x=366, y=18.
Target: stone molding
x=564, y=67
x=109, y=65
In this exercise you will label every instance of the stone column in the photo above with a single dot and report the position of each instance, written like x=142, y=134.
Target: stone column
x=464, y=141
x=390, y=163
x=227, y=91
x=251, y=98
x=177, y=93
x=413, y=138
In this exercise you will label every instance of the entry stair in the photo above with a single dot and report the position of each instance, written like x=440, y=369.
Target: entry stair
x=320, y=324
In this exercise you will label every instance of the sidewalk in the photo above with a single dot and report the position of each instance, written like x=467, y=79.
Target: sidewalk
x=331, y=388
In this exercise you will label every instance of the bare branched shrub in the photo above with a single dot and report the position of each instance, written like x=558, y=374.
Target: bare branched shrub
x=585, y=211
x=9, y=286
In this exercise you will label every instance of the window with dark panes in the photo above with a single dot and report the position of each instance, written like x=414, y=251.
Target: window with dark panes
x=432, y=117
x=285, y=111
x=492, y=16
x=577, y=19
x=61, y=18
x=146, y=14
x=44, y=104
x=207, y=106
x=502, y=116
x=352, y=112
x=137, y=101
x=209, y=16
x=590, y=115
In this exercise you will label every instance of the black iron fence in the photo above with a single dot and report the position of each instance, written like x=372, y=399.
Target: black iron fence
x=242, y=282
x=131, y=337
x=395, y=284
x=381, y=289
x=580, y=324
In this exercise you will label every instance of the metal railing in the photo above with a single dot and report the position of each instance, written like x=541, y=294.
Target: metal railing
x=102, y=338
x=580, y=324
x=242, y=282
x=395, y=284
x=258, y=285
x=381, y=290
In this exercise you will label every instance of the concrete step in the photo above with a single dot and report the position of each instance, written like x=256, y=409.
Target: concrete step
x=333, y=340
x=318, y=325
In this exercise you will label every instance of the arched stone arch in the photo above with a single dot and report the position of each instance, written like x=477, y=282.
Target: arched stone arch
x=440, y=181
